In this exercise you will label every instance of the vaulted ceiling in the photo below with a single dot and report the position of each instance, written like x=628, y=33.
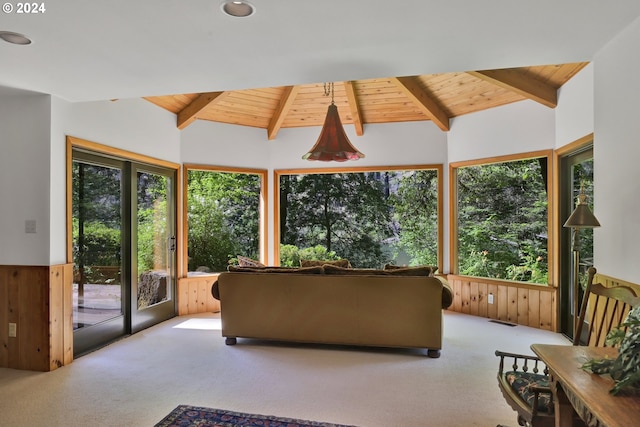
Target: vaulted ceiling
x=435, y=97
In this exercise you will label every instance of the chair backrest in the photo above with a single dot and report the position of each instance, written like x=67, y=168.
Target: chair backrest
x=603, y=308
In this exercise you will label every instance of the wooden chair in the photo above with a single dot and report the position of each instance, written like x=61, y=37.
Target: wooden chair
x=525, y=383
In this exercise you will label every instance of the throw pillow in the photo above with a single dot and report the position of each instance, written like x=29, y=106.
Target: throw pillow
x=433, y=268
x=248, y=262
x=411, y=271
x=301, y=270
x=344, y=263
x=334, y=269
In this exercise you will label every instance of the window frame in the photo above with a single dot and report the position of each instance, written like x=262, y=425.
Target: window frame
x=310, y=171
x=262, y=174
x=453, y=207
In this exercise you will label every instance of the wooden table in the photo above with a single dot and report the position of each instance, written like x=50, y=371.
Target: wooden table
x=584, y=393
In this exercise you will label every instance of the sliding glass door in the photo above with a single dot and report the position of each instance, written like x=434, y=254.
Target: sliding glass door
x=123, y=216
x=154, y=244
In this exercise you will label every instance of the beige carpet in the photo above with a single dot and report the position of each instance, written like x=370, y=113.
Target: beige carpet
x=139, y=380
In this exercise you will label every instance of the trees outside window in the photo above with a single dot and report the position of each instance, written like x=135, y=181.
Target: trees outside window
x=371, y=217
x=502, y=219
x=224, y=216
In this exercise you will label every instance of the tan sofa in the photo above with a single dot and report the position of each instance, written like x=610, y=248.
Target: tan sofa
x=361, y=307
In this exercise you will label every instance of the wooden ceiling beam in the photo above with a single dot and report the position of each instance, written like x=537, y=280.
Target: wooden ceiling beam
x=529, y=87
x=190, y=113
x=410, y=86
x=286, y=101
x=352, y=99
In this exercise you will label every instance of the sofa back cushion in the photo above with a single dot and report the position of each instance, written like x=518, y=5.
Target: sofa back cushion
x=298, y=270
x=344, y=263
x=433, y=268
x=408, y=271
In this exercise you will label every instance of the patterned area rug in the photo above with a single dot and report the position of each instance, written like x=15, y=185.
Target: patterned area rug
x=188, y=416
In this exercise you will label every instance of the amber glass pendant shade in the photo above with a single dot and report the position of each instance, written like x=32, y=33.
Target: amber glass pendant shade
x=333, y=144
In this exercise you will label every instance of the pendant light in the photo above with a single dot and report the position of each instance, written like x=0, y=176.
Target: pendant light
x=332, y=144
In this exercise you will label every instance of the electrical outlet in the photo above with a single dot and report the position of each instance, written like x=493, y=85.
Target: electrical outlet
x=13, y=330
x=490, y=298
x=30, y=226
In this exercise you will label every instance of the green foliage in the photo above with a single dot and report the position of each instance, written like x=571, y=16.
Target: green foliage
x=415, y=214
x=345, y=212
x=290, y=255
x=625, y=369
x=152, y=216
x=101, y=244
x=502, y=221
x=223, y=217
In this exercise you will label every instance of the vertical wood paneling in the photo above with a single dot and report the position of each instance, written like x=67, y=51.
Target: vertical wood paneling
x=534, y=308
x=512, y=304
x=482, y=299
x=56, y=316
x=183, y=296
x=194, y=295
x=67, y=290
x=474, y=304
x=457, y=295
x=4, y=318
x=466, y=297
x=523, y=306
x=547, y=311
x=515, y=302
x=503, y=303
x=492, y=309
x=34, y=298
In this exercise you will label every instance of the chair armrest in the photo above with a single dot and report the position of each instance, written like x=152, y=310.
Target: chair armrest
x=525, y=362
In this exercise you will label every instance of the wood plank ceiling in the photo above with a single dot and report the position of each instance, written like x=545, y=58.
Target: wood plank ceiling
x=435, y=97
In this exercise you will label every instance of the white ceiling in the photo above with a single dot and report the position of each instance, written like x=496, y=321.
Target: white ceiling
x=86, y=50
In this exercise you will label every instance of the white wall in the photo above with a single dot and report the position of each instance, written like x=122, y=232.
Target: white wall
x=574, y=113
x=617, y=156
x=24, y=177
x=515, y=128
x=134, y=125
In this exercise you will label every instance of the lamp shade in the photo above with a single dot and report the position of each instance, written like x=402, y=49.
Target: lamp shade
x=333, y=144
x=581, y=217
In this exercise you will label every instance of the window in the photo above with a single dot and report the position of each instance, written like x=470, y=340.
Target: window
x=225, y=209
x=369, y=216
x=502, y=218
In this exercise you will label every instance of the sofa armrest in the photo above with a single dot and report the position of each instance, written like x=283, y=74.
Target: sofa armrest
x=215, y=290
x=447, y=292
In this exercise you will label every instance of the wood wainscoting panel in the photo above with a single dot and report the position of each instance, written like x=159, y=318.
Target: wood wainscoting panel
x=513, y=302
x=194, y=295
x=34, y=298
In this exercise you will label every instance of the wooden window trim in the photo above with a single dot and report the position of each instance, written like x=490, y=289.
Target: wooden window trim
x=264, y=205
x=453, y=203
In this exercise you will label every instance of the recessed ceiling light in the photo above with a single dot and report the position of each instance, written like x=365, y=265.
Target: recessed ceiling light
x=238, y=9
x=15, y=38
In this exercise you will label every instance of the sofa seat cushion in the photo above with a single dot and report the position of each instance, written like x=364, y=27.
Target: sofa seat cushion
x=523, y=382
